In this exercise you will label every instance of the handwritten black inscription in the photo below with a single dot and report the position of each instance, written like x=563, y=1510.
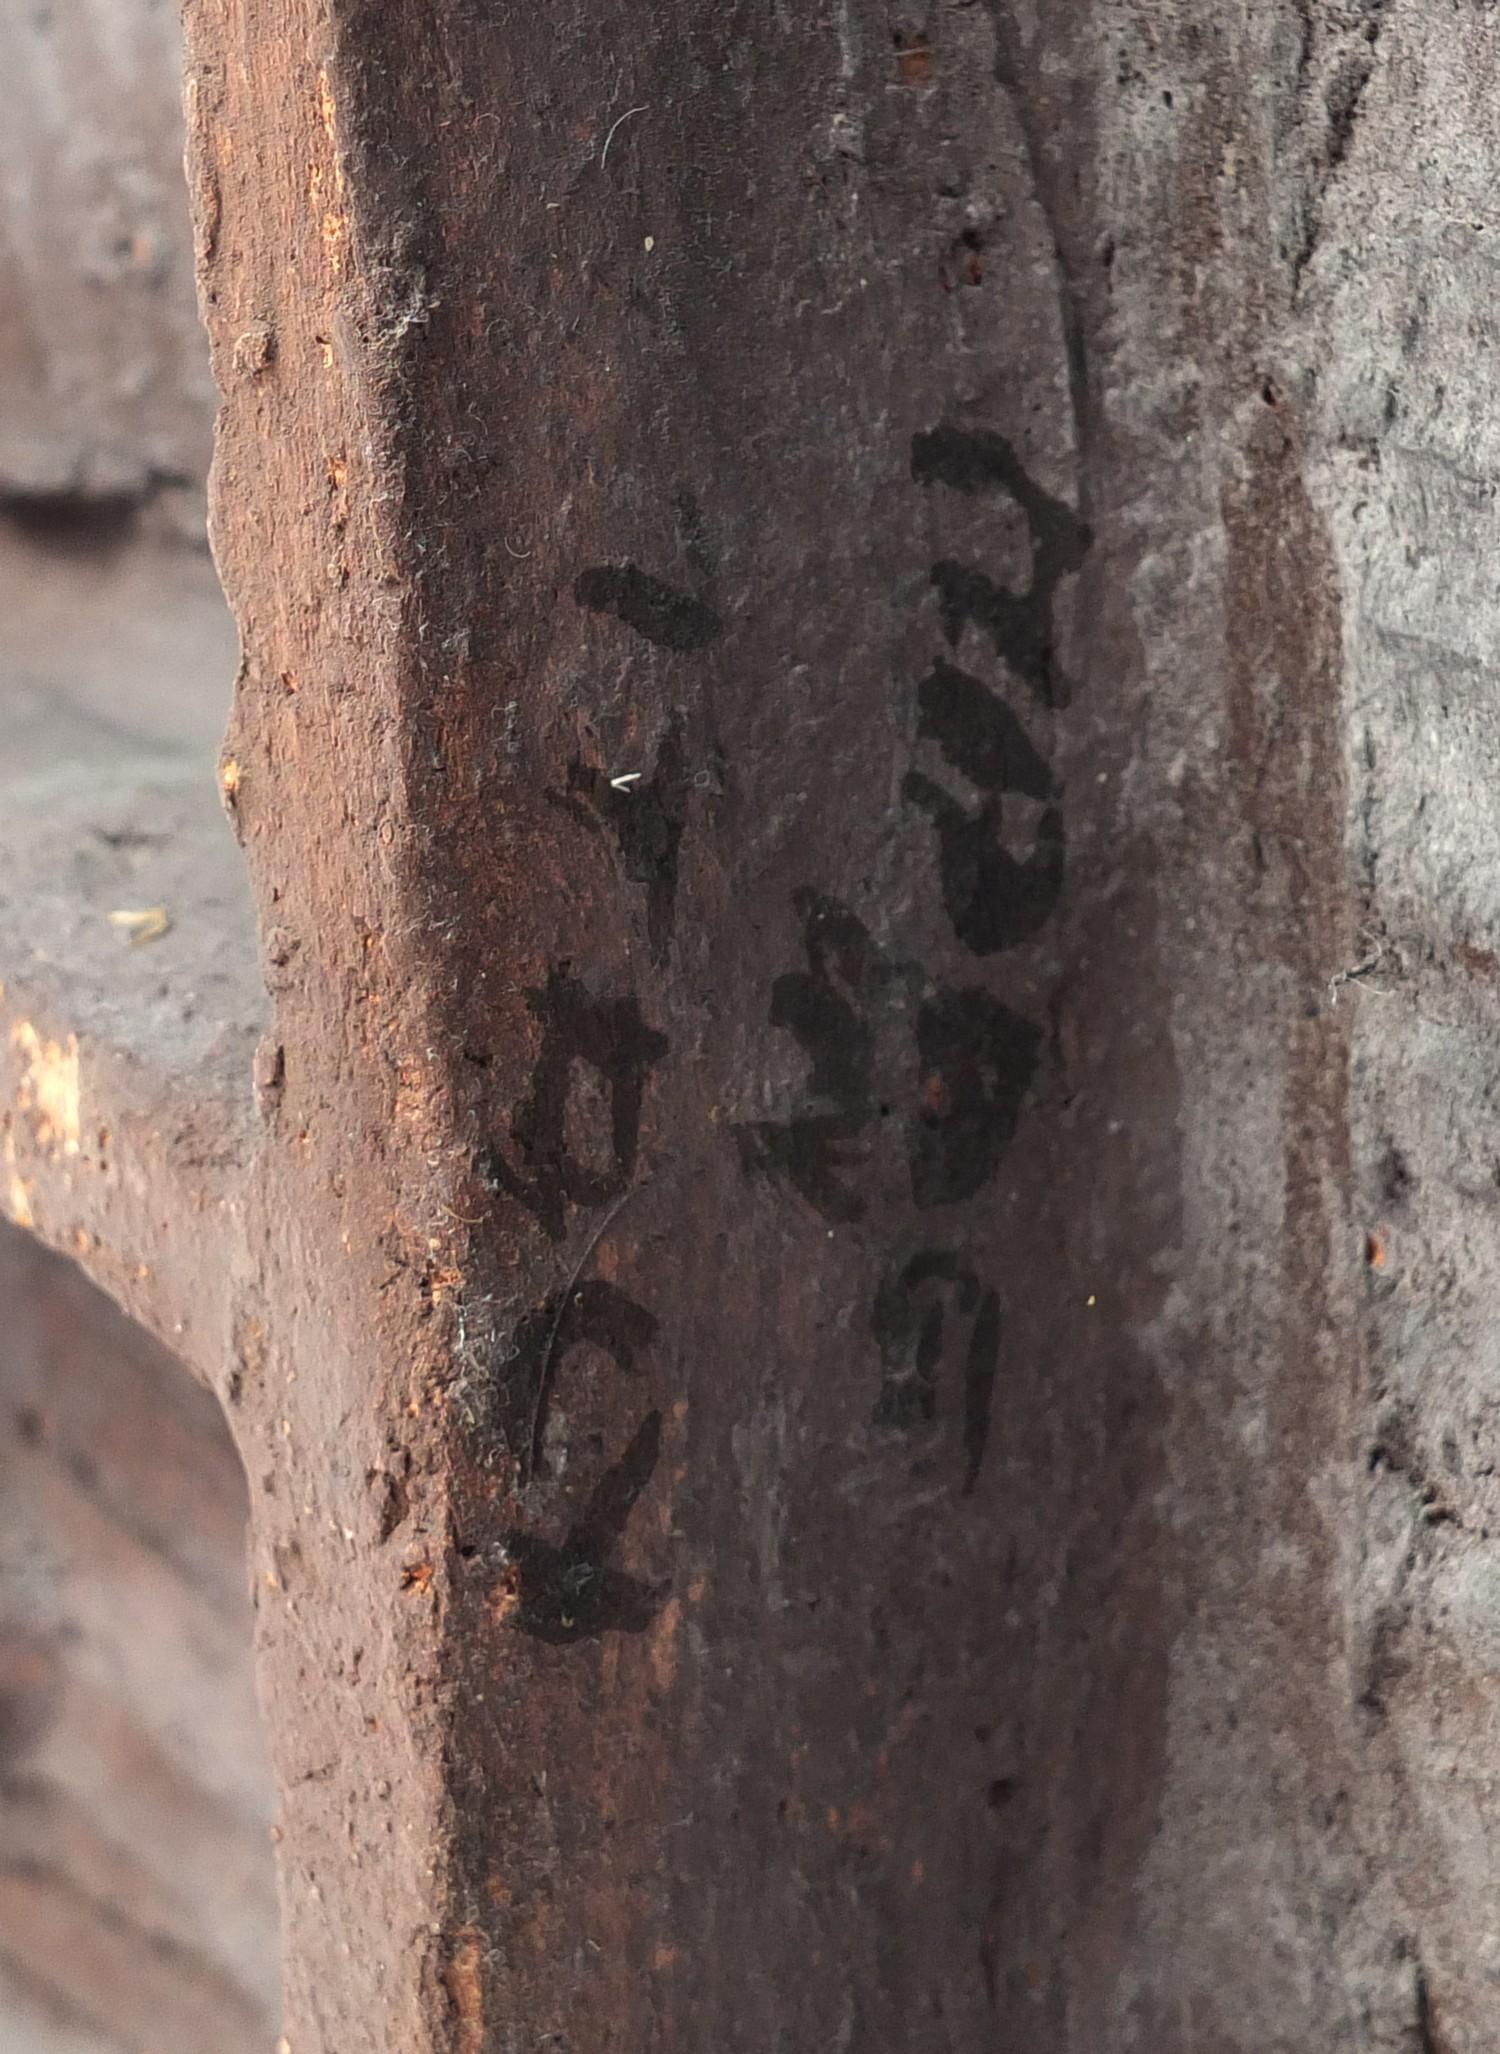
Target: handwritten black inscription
x=827, y=1008
x=594, y=1314
x=969, y=1073
x=569, y=1593
x=1000, y=886
x=994, y=899
x=647, y=819
x=1019, y=624
x=910, y=1319
x=665, y=616
x=977, y=1060
x=579, y=1034
x=574, y=1143
x=973, y=1060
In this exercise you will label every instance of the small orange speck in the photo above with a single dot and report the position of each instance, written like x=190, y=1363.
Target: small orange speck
x=505, y=1600
x=831, y=1818
x=1375, y=1250
x=935, y=1095
x=417, y=1576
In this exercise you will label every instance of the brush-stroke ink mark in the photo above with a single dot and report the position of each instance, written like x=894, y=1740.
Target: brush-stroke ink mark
x=976, y=1059
x=1019, y=624
x=647, y=820
x=995, y=899
x=579, y=1034
x=572, y=1592
x=594, y=1314
x=666, y=617
x=910, y=1322
x=827, y=1009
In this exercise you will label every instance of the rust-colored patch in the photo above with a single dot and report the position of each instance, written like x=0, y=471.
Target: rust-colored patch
x=1478, y=961
x=439, y=1284
x=417, y=1576
x=464, y=1984
x=505, y=1598
x=1375, y=1249
x=914, y=61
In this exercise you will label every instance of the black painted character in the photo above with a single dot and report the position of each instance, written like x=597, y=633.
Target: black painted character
x=910, y=1320
x=594, y=1314
x=609, y=1037
x=655, y=610
x=827, y=1008
x=976, y=1060
x=646, y=815
x=995, y=899
x=1019, y=624
x=567, y=1593
x=965, y=1083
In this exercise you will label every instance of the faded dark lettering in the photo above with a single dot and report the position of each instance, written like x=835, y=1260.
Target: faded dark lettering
x=647, y=819
x=826, y=1008
x=571, y=1592
x=977, y=1060
x=579, y=1034
x=910, y=1322
x=658, y=611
